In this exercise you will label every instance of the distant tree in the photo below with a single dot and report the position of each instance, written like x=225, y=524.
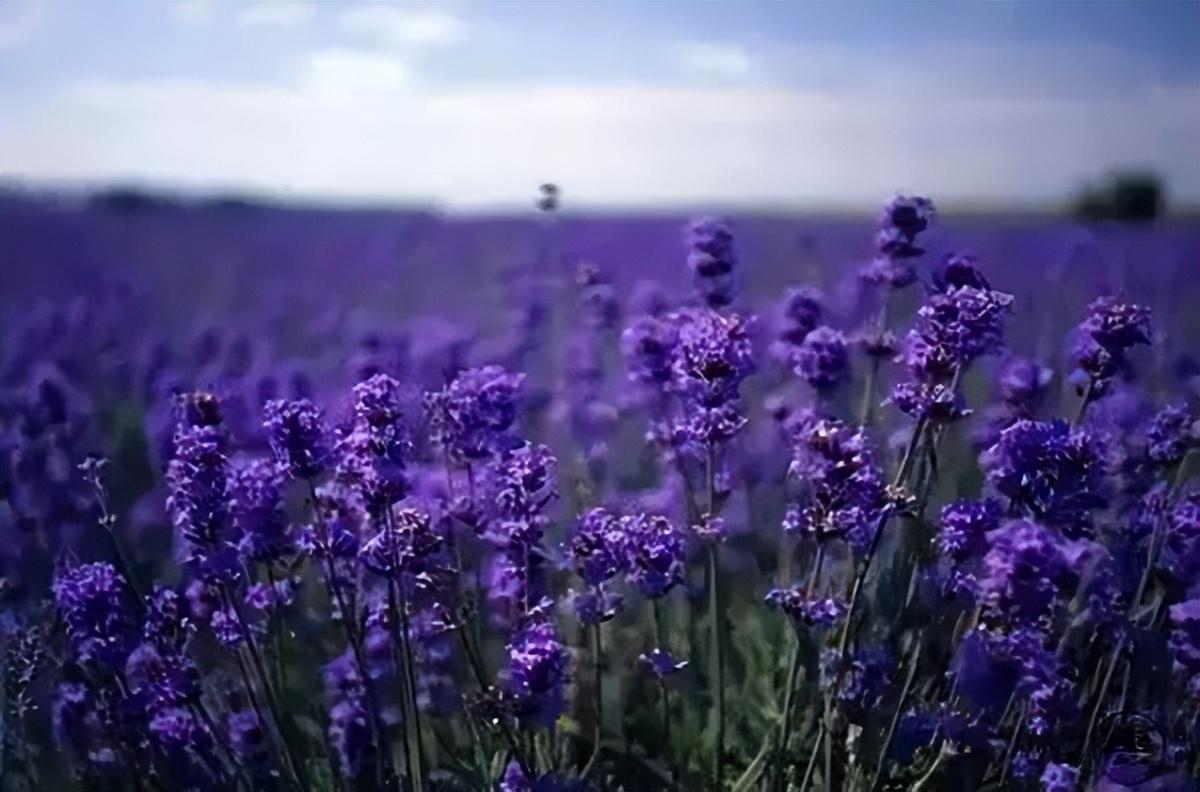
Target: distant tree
x=1132, y=196
x=130, y=200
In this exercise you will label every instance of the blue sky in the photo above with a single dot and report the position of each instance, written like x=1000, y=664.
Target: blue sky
x=645, y=104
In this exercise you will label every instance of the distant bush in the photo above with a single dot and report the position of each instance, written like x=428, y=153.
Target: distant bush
x=1133, y=197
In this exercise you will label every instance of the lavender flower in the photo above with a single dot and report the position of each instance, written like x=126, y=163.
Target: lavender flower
x=298, y=436
x=803, y=308
x=1048, y=471
x=964, y=527
x=1185, y=639
x=1110, y=328
x=538, y=670
x=247, y=738
x=712, y=260
x=1181, y=549
x=199, y=500
x=373, y=455
x=258, y=512
x=597, y=546
x=349, y=719
x=1060, y=778
x=661, y=663
x=470, y=418
x=807, y=610
x=822, y=360
x=1027, y=568
x=1172, y=433
x=649, y=347
x=91, y=600
x=655, y=554
x=844, y=494
x=904, y=219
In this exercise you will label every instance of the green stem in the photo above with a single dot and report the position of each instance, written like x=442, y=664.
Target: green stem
x=785, y=736
x=718, y=661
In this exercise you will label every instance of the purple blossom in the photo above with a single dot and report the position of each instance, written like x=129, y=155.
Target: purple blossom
x=470, y=418
x=904, y=218
x=712, y=260
x=1027, y=568
x=844, y=494
x=373, y=454
x=538, y=670
x=262, y=524
x=1110, y=328
x=957, y=271
x=649, y=347
x=802, y=309
x=661, y=663
x=1172, y=433
x=1060, y=778
x=91, y=600
x=247, y=737
x=1181, y=548
x=298, y=436
x=199, y=500
x=964, y=527
x=805, y=609
x=349, y=719
x=1049, y=471
x=822, y=360
x=1185, y=638
x=597, y=546
x=655, y=551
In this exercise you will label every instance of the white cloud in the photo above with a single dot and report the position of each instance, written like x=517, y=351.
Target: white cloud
x=400, y=26
x=708, y=57
x=193, y=13
x=355, y=124
x=275, y=14
x=350, y=73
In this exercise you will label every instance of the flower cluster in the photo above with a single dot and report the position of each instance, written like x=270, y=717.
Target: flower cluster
x=904, y=219
x=712, y=260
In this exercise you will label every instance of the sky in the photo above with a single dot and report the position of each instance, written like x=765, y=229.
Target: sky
x=625, y=104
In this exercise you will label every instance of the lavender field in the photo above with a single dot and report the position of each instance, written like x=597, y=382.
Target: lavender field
x=305, y=499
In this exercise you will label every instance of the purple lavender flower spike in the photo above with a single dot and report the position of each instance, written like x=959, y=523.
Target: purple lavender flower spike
x=1185, y=640
x=471, y=417
x=805, y=610
x=373, y=454
x=843, y=491
x=262, y=524
x=655, y=554
x=1110, y=328
x=661, y=663
x=1027, y=569
x=91, y=600
x=649, y=347
x=1060, y=778
x=803, y=308
x=597, y=546
x=904, y=219
x=298, y=436
x=1049, y=471
x=823, y=360
x=712, y=260
x=349, y=719
x=247, y=738
x=1173, y=432
x=197, y=479
x=538, y=670
x=964, y=527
